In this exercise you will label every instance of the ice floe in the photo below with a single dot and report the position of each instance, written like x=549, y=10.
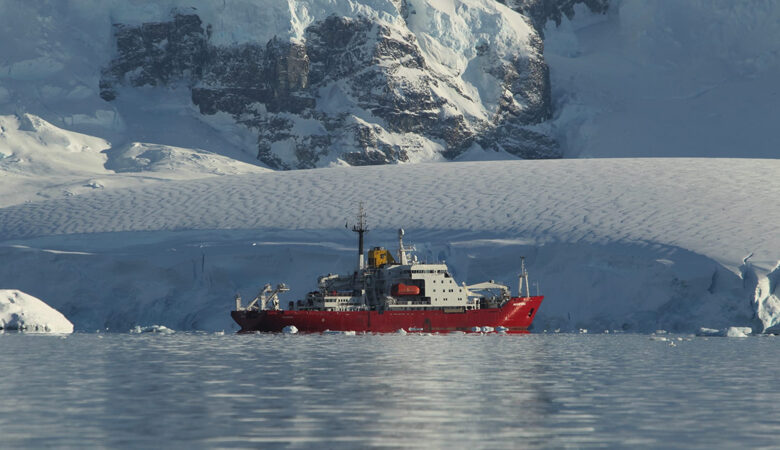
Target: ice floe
x=161, y=329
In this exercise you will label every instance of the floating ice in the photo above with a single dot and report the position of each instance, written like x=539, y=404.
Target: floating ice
x=345, y=333
x=709, y=332
x=23, y=312
x=161, y=329
x=400, y=331
x=739, y=331
x=729, y=332
x=290, y=329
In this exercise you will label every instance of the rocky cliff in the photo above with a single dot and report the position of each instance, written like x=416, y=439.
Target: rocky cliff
x=542, y=11
x=408, y=82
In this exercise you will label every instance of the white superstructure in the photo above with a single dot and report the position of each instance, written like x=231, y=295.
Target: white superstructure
x=383, y=283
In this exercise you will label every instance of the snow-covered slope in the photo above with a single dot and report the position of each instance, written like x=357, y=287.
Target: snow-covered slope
x=638, y=244
x=671, y=201
x=663, y=78
x=23, y=312
x=40, y=161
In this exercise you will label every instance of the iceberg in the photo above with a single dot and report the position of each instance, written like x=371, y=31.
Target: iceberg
x=23, y=312
x=739, y=332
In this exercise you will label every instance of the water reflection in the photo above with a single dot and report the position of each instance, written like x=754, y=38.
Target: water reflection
x=387, y=391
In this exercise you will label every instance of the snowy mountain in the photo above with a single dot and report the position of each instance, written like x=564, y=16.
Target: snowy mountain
x=130, y=132
x=323, y=83
x=295, y=84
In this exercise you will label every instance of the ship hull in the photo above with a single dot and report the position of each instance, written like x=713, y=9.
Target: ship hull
x=515, y=316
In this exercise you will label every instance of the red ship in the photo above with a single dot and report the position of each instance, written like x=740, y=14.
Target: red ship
x=387, y=295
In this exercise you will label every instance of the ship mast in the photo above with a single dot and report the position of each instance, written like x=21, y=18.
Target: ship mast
x=360, y=227
x=523, y=277
x=401, y=249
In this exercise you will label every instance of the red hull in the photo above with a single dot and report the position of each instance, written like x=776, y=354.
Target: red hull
x=516, y=315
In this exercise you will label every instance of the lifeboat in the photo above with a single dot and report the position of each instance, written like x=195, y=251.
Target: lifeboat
x=404, y=289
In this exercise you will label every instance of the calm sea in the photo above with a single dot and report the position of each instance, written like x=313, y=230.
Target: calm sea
x=388, y=391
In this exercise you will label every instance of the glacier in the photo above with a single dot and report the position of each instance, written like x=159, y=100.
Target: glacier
x=628, y=244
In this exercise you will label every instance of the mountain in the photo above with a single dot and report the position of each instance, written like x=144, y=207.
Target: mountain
x=324, y=83
x=131, y=192
x=293, y=84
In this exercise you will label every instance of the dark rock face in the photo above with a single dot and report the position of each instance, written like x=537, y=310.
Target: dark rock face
x=541, y=11
x=353, y=90
x=156, y=54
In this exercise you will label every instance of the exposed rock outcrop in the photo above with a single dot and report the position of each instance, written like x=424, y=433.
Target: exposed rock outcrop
x=542, y=11
x=354, y=90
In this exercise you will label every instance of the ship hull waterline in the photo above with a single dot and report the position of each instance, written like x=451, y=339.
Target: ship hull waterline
x=516, y=315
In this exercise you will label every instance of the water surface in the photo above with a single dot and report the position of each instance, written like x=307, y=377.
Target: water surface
x=387, y=391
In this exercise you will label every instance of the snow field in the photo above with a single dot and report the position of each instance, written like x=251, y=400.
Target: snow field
x=674, y=202
x=631, y=244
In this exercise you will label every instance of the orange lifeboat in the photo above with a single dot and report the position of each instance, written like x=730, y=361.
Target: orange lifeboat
x=404, y=289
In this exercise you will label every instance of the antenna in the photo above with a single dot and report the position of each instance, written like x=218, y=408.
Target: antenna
x=401, y=249
x=403, y=257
